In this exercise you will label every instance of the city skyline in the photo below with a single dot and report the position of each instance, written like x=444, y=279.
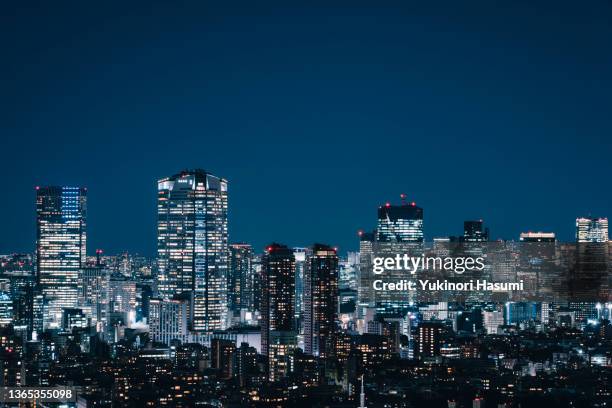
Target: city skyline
x=306, y=204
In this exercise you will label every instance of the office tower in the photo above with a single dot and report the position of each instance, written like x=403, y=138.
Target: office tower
x=364, y=272
x=300, y=255
x=429, y=339
x=592, y=230
x=168, y=320
x=589, y=279
x=257, y=282
x=537, y=237
x=348, y=271
x=400, y=223
x=60, y=247
x=473, y=231
x=320, y=301
x=240, y=277
x=94, y=293
x=278, y=292
x=192, y=244
x=122, y=297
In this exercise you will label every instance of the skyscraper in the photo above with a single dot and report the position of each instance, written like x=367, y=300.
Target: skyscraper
x=400, y=223
x=240, y=277
x=192, y=244
x=300, y=255
x=320, y=301
x=593, y=230
x=278, y=287
x=61, y=243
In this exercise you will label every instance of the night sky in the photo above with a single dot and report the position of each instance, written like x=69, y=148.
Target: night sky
x=316, y=114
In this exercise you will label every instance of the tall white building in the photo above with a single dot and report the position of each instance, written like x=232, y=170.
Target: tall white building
x=192, y=244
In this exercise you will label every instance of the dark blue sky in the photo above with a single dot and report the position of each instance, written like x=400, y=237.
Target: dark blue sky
x=315, y=113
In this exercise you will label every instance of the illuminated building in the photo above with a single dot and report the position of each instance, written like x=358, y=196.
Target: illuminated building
x=6, y=309
x=429, y=339
x=240, y=277
x=348, y=271
x=168, y=320
x=371, y=349
x=281, y=346
x=60, y=247
x=537, y=237
x=192, y=244
x=519, y=312
x=364, y=277
x=94, y=293
x=320, y=301
x=492, y=319
x=400, y=223
x=122, y=297
x=300, y=255
x=591, y=230
x=278, y=291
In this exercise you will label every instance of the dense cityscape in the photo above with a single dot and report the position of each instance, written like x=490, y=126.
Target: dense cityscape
x=211, y=322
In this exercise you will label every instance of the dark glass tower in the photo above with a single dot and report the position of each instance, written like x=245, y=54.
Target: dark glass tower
x=192, y=244
x=474, y=231
x=240, y=277
x=278, y=291
x=320, y=301
x=61, y=243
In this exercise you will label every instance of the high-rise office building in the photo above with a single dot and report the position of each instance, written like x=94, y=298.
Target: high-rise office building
x=589, y=278
x=300, y=263
x=192, y=244
x=474, y=231
x=400, y=223
x=168, y=320
x=61, y=243
x=278, y=291
x=320, y=301
x=122, y=297
x=240, y=277
x=364, y=275
x=591, y=230
x=94, y=294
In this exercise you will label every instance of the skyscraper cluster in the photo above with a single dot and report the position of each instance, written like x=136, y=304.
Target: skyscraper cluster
x=289, y=309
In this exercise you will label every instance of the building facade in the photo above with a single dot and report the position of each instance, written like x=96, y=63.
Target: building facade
x=61, y=243
x=320, y=301
x=192, y=244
